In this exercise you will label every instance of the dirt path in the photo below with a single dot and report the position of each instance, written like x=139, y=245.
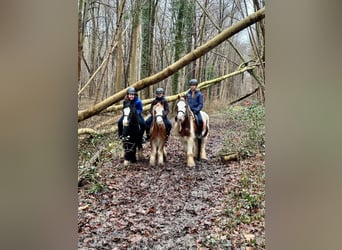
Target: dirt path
x=172, y=207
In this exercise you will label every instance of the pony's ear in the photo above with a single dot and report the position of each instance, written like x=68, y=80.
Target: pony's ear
x=178, y=97
x=185, y=97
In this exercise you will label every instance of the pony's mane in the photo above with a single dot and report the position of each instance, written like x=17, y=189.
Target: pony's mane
x=158, y=104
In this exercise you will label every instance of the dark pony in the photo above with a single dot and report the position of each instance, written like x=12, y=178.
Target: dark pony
x=185, y=129
x=158, y=135
x=132, y=134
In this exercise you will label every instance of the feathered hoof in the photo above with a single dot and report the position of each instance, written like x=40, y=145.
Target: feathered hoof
x=204, y=157
x=140, y=155
x=191, y=163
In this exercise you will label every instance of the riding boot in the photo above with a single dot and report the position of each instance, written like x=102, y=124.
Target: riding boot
x=199, y=130
x=168, y=131
x=199, y=133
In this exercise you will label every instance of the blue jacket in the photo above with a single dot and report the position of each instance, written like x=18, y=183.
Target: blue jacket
x=196, y=103
x=137, y=104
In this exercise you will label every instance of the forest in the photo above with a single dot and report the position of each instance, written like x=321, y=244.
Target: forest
x=165, y=43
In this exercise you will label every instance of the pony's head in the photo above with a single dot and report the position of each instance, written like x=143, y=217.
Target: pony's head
x=158, y=111
x=181, y=109
x=130, y=122
x=126, y=115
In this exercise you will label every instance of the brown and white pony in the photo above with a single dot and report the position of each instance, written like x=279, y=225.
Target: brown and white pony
x=158, y=136
x=185, y=129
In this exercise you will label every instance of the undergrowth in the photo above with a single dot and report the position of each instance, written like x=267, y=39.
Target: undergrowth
x=244, y=209
x=92, y=151
x=247, y=134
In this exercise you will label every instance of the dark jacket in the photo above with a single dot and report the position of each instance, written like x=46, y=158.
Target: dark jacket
x=163, y=101
x=196, y=103
x=136, y=102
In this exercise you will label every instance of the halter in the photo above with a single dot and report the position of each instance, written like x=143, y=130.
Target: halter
x=159, y=114
x=126, y=115
x=182, y=111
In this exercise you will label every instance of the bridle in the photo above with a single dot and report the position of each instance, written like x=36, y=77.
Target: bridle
x=182, y=110
x=126, y=114
x=158, y=114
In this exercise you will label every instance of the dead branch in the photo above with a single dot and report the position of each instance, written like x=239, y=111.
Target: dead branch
x=245, y=96
x=83, y=131
x=230, y=157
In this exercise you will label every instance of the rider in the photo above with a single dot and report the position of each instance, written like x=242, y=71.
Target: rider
x=132, y=99
x=159, y=98
x=195, y=100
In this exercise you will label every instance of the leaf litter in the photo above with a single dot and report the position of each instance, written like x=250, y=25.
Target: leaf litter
x=215, y=205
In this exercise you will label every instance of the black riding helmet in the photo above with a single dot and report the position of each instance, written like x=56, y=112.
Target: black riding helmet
x=131, y=90
x=159, y=91
x=193, y=82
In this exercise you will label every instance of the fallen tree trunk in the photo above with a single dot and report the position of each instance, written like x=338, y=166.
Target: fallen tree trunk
x=170, y=70
x=202, y=85
x=83, y=131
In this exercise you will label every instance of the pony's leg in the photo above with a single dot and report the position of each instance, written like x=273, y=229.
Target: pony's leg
x=190, y=154
x=126, y=154
x=153, y=154
x=140, y=152
x=164, y=152
x=203, y=153
x=133, y=157
x=196, y=147
x=204, y=127
x=161, y=154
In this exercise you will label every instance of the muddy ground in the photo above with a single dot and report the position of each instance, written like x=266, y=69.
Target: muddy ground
x=216, y=205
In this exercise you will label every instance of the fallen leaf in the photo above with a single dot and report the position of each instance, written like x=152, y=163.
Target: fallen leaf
x=249, y=237
x=83, y=207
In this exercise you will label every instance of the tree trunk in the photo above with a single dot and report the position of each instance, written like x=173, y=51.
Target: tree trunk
x=134, y=44
x=148, y=21
x=93, y=48
x=119, y=66
x=179, y=43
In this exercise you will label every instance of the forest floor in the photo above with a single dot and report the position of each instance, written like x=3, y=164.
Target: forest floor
x=215, y=205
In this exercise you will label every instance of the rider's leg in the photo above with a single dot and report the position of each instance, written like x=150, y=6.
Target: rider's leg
x=148, y=127
x=168, y=126
x=199, y=124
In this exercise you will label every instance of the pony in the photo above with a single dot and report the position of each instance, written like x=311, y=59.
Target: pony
x=132, y=135
x=185, y=129
x=158, y=136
